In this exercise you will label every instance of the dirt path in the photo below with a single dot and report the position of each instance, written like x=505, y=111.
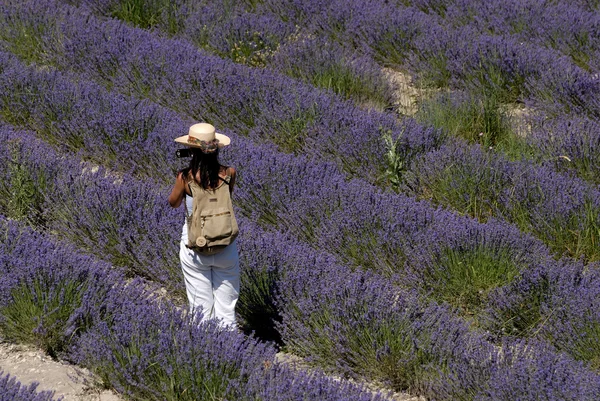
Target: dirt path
x=28, y=364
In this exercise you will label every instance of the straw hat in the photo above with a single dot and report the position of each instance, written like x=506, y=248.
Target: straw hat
x=201, y=135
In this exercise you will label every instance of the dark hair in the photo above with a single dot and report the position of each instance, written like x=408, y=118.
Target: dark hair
x=207, y=164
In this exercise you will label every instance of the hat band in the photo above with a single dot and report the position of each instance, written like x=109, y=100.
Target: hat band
x=205, y=146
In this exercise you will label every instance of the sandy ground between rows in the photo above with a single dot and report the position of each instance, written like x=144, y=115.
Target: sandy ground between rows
x=29, y=365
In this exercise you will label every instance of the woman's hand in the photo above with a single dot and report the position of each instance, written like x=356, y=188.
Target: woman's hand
x=178, y=191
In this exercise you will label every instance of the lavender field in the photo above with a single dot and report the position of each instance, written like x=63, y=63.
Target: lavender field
x=448, y=247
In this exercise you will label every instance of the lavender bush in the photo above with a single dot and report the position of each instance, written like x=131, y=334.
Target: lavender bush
x=561, y=210
x=326, y=65
x=467, y=178
x=117, y=218
x=47, y=290
x=476, y=119
x=461, y=263
x=363, y=325
x=553, y=302
x=537, y=372
x=571, y=144
x=573, y=324
x=516, y=370
x=557, y=208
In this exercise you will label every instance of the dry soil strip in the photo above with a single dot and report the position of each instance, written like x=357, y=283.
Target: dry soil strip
x=28, y=364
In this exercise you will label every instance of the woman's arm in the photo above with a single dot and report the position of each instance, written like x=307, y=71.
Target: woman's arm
x=178, y=191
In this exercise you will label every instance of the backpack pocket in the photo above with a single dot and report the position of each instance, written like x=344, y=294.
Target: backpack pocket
x=217, y=223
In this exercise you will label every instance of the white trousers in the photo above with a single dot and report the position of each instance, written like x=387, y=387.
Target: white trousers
x=212, y=282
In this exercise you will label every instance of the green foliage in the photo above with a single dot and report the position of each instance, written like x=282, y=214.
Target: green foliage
x=394, y=160
x=575, y=235
x=253, y=4
x=586, y=165
x=149, y=14
x=464, y=278
x=405, y=361
x=23, y=193
x=587, y=345
x=478, y=120
x=342, y=79
x=289, y=131
x=253, y=50
x=392, y=48
x=24, y=39
x=173, y=378
x=493, y=83
x=389, y=350
x=524, y=318
x=459, y=187
x=438, y=75
x=39, y=312
x=366, y=250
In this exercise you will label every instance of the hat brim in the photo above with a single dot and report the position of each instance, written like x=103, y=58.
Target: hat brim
x=224, y=140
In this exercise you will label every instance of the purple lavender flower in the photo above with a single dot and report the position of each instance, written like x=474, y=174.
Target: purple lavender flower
x=13, y=390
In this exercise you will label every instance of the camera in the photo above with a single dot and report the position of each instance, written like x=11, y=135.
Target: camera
x=183, y=153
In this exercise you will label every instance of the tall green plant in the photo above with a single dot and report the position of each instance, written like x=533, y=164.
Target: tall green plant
x=394, y=160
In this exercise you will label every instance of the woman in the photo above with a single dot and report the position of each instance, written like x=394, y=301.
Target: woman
x=212, y=273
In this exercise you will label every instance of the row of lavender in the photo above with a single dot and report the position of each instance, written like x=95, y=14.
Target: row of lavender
x=327, y=212
x=369, y=326
x=84, y=310
x=394, y=33
x=538, y=52
x=577, y=237
x=81, y=225
x=577, y=230
x=352, y=252
x=263, y=105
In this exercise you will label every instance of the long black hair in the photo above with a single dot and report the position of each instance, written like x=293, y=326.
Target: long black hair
x=207, y=164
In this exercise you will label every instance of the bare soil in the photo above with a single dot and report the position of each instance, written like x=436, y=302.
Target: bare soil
x=28, y=364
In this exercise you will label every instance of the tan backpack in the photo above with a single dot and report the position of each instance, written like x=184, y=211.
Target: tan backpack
x=212, y=224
